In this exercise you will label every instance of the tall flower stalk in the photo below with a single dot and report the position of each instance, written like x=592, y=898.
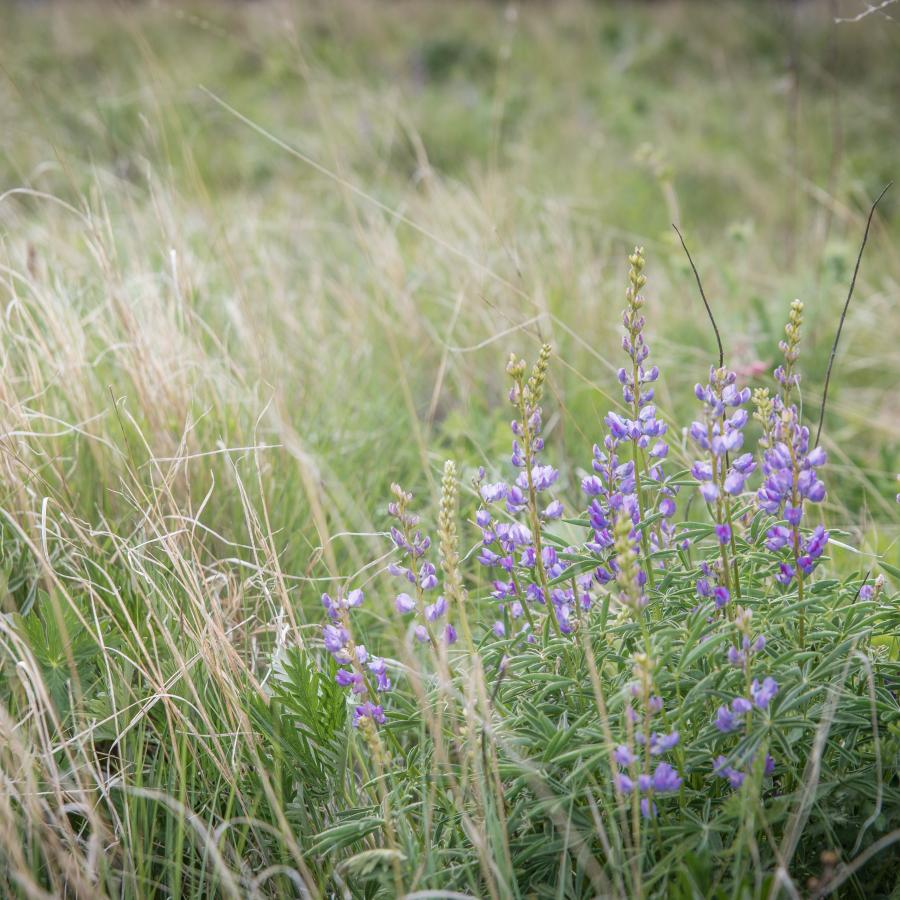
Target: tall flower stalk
x=789, y=467
x=419, y=572
x=512, y=538
x=721, y=478
x=526, y=395
x=638, y=393
x=449, y=551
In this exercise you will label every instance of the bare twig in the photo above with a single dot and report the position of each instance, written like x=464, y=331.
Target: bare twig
x=867, y=12
x=837, y=336
x=703, y=295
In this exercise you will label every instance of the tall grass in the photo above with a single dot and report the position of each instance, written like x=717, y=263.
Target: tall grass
x=217, y=358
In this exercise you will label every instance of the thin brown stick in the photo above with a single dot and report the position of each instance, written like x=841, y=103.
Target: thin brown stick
x=703, y=295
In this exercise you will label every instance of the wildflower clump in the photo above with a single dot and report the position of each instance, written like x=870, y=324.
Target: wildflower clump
x=688, y=571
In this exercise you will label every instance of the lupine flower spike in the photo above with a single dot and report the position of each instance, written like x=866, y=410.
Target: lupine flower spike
x=419, y=572
x=512, y=532
x=620, y=488
x=721, y=473
x=354, y=660
x=646, y=778
x=789, y=468
x=757, y=695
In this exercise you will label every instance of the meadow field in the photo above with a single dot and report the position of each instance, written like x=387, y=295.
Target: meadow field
x=262, y=267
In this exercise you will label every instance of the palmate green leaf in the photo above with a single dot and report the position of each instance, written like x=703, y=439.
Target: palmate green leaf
x=304, y=721
x=57, y=639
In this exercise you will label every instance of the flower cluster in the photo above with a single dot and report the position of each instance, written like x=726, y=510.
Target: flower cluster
x=643, y=774
x=761, y=694
x=618, y=487
x=758, y=695
x=629, y=576
x=736, y=776
x=742, y=654
x=721, y=435
x=354, y=660
x=721, y=475
x=512, y=532
x=629, y=514
x=419, y=572
x=789, y=466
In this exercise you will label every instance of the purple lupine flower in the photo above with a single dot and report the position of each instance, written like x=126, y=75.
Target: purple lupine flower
x=336, y=639
x=427, y=577
x=435, y=610
x=726, y=721
x=660, y=744
x=623, y=756
x=352, y=680
x=516, y=500
x=424, y=577
x=554, y=510
x=351, y=657
x=763, y=693
x=493, y=493
x=368, y=710
x=740, y=657
x=542, y=477
x=729, y=719
x=626, y=785
x=648, y=808
x=721, y=596
x=790, y=469
x=665, y=778
x=488, y=557
x=723, y=770
x=614, y=492
x=516, y=546
x=378, y=668
x=719, y=434
x=331, y=608
x=352, y=600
